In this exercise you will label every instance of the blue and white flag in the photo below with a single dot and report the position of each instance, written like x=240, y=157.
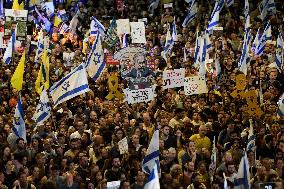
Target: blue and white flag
x=19, y=127
x=266, y=36
x=153, y=5
x=251, y=138
x=8, y=55
x=192, y=12
x=43, y=109
x=202, y=56
x=197, y=49
x=40, y=47
x=124, y=41
x=96, y=60
x=152, y=156
x=280, y=110
x=217, y=66
x=256, y=41
x=174, y=34
x=168, y=45
x=184, y=55
x=268, y=6
x=153, y=179
x=230, y=2
x=246, y=11
x=45, y=22
x=73, y=84
x=242, y=180
x=214, y=21
x=245, y=59
x=247, y=24
x=1, y=9
x=279, y=52
x=96, y=27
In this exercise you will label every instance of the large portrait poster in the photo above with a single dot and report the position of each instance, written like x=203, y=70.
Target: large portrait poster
x=15, y=18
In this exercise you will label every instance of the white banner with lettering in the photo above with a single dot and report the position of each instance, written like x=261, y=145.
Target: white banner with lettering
x=139, y=95
x=195, y=85
x=173, y=78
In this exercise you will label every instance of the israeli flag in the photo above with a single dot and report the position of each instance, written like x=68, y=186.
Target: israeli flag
x=1, y=9
x=43, y=109
x=96, y=60
x=245, y=59
x=246, y=11
x=243, y=176
x=73, y=84
x=215, y=14
x=191, y=14
x=251, y=139
x=197, y=49
x=7, y=58
x=266, y=36
x=168, y=45
x=153, y=5
x=279, y=52
x=152, y=156
x=256, y=41
x=217, y=66
x=19, y=122
x=247, y=24
x=230, y=2
x=213, y=164
x=280, y=111
x=202, y=57
x=40, y=47
x=153, y=180
x=124, y=40
x=267, y=7
x=96, y=27
x=174, y=34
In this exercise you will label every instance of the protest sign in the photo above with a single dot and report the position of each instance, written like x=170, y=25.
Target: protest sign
x=13, y=19
x=139, y=95
x=123, y=26
x=109, y=59
x=173, y=78
x=195, y=85
x=113, y=184
x=123, y=146
x=138, y=32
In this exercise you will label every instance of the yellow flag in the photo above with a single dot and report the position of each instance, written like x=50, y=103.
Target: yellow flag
x=85, y=46
x=43, y=74
x=57, y=21
x=18, y=6
x=17, y=78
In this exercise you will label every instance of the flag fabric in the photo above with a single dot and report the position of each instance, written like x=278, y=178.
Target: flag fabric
x=245, y=59
x=18, y=6
x=230, y=2
x=153, y=179
x=111, y=36
x=73, y=84
x=268, y=6
x=1, y=9
x=184, y=55
x=192, y=12
x=213, y=164
x=17, y=78
x=247, y=24
x=243, y=176
x=8, y=55
x=266, y=36
x=40, y=47
x=96, y=27
x=225, y=181
x=214, y=21
x=202, y=56
x=217, y=66
x=246, y=11
x=251, y=139
x=256, y=41
x=43, y=74
x=43, y=109
x=197, y=49
x=152, y=155
x=279, y=52
x=153, y=5
x=280, y=110
x=96, y=61
x=45, y=22
x=168, y=45
x=19, y=127
x=124, y=40
x=174, y=34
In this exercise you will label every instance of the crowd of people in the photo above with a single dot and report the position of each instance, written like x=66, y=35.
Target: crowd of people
x=78, y=146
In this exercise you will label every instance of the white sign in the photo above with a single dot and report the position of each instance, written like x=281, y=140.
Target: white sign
x=139, y=95
x=113, y=184
x=168, y=5
x=138, y=32
x=173, y=78
x=123, y=146
x=195, y=85
x=123, y=26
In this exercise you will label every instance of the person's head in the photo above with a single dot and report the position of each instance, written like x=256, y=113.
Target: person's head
x=84, y=161
x=196, y=178
x=20, y=143
x=202, y=130
x=231, y=167
x=9, y=165
x=191, y=146
x=140, y=176
x=35, y=172
x=166, y=130
x=116, y=162
x=125, y=184
x=99, y=176
x=40, y=159
x=22, y=177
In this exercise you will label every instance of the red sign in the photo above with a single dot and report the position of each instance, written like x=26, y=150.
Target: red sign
x=110, y=60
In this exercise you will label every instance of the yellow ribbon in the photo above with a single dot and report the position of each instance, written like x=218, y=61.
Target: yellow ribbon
x=113, y=86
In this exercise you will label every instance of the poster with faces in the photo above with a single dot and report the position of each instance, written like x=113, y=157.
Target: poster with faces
x=195, y=85
x=138, y=32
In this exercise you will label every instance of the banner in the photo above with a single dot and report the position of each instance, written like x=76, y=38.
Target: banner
x=173, y=78
x=195, y=85
x=138, y=32
x=123, y=26
x=139, y=95
x=109, y=59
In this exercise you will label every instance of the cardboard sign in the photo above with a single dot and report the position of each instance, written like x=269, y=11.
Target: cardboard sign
x=138, y=32
x=195, y=85
x=123, y=26
x=123, y=146
x=113, y=184
x=109, y=59
x=139, y=95
x=173, y=78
